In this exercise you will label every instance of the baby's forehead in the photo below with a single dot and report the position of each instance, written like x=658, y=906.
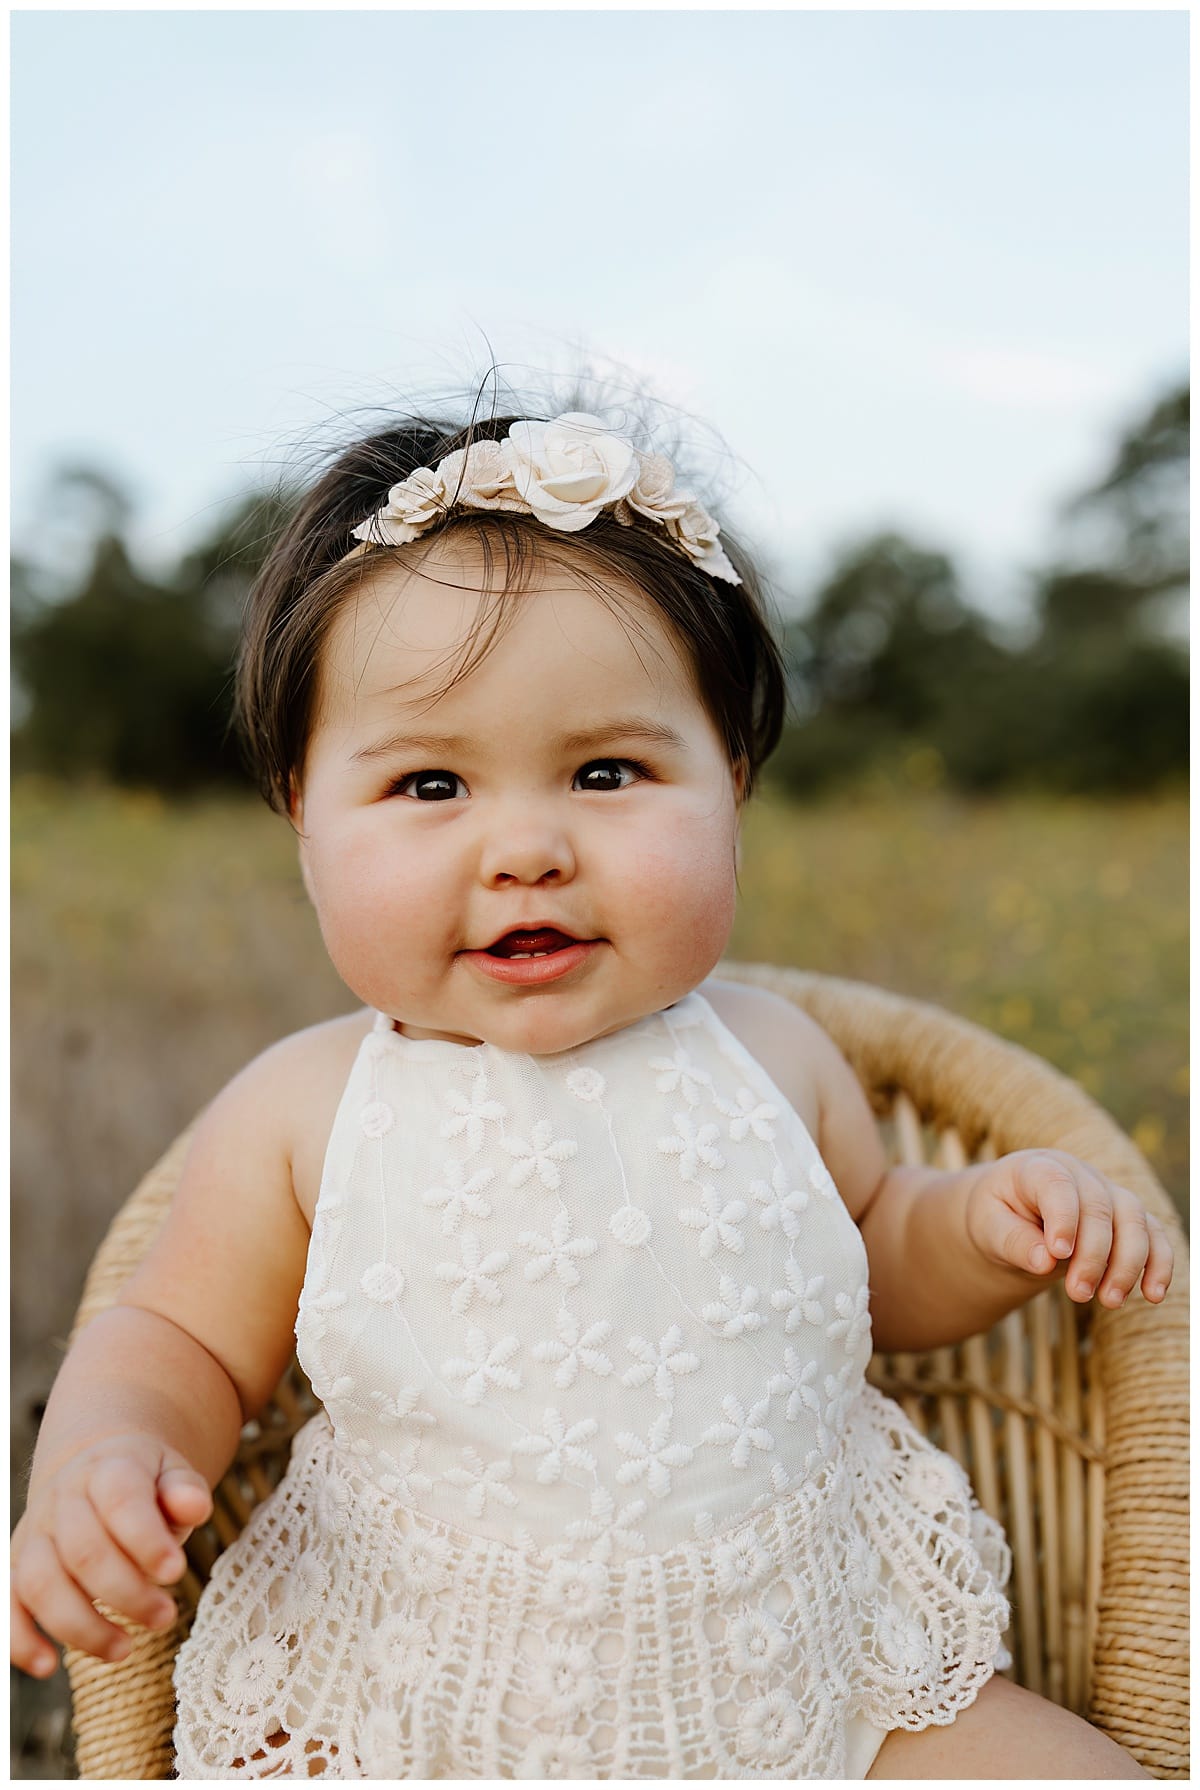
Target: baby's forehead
x=405, y=622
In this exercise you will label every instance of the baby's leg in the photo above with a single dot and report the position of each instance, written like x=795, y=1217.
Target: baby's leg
x=1006, y=1732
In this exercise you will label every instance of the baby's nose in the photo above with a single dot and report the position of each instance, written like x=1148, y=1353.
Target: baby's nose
x=529, y=854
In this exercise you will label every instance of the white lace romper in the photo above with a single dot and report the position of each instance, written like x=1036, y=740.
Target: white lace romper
x=599, y=1489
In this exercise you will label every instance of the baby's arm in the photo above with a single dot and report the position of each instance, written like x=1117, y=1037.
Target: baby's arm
x=146, y=1411
x=951, y=1253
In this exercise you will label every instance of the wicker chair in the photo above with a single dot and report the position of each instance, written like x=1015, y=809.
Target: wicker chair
x=1071, y=1421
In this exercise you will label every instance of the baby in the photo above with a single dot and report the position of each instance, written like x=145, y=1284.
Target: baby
x=575, y=1239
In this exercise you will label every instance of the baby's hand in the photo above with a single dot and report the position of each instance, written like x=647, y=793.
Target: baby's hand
x=1036, y=1209
x=105, y=1525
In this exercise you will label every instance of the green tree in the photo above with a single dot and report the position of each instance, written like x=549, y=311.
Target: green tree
x=1142, y=499
x=882, y=658
x=129, y=678
x=126, y=680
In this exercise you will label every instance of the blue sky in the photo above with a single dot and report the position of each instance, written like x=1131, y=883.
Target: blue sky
x=917, y=268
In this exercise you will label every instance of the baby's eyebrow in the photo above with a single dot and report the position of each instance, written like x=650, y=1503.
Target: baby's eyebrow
x=630, y=727
x=606, y=733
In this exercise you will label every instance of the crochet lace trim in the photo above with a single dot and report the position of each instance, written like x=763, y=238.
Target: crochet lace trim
x=348, y=1635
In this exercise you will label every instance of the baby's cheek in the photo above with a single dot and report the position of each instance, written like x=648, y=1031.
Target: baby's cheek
x=373, y=914
x=687, y=886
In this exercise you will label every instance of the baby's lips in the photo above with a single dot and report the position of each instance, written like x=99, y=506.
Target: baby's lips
x=544, y=938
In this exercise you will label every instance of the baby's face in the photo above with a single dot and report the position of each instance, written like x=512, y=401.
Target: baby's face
x=514, y=802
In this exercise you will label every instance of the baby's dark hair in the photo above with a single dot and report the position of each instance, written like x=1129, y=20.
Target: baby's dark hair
x=306, y=578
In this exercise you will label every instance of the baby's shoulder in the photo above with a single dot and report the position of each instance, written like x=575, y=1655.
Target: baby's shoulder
x=795, y=1051
x=288, y=1096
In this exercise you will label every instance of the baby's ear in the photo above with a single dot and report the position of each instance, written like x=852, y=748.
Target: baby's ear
x=740, y=780
x=305, y=875
x=296, y=818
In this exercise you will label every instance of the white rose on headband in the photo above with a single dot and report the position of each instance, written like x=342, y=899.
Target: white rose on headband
x=567, y=471
x=696, y=533
x=481, y=476
x=412, y=506
x=653, y=493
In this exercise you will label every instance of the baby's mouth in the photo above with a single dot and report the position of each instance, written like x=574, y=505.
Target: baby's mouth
x=543, y=942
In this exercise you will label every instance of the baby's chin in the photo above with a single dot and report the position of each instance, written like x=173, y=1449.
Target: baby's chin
x=534, y=1027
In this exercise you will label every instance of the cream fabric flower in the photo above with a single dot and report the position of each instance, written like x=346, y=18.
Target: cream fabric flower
x=696, y=533
x=414, y=505
x=481, y=477
x=654, y=494
x=569, y=470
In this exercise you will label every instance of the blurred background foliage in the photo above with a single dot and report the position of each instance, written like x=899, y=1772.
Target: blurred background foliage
x=126, y=678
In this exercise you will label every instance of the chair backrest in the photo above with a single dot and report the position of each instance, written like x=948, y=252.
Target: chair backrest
x=1071, y=1421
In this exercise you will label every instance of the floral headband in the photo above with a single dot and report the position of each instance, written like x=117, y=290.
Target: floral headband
x=563, y=473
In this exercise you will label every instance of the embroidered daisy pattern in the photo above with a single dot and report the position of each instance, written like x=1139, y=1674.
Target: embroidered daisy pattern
x=746, y=1430
x=469, y=1117
x=801, y=1298
x=481, y=1480
x=660, y=1362
x=474, y=1276
x=396, y=1473
x=484, y=1365
x=782, y=1204
x=400, y=1409
x=735, y=1312
x=459, y=1193
x=747, y=1113
x=680, y=1073
x=559, y=1251
x=608, y=1528
x=559, y=1447
x=798, y=1382
x=605, y=1294
x=539, y=1157
x=654, y=1457
x=695, y=1147
x=852, y=1324
x=573, y=1349
x=717, y=1223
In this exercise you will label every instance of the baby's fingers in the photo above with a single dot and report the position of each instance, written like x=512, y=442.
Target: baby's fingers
x=28, y=1650
x=124, y=1496
x=1042, y=1225
x=1160, y=1263
x=58, y=1606
x=1093, y=1238
x=103, y=1571
x=185, y=1499
x=1130, y=1248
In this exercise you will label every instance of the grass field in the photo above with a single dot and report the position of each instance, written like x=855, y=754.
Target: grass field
x=156, y=949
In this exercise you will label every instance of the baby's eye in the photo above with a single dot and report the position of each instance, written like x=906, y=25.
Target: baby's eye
x=430, y=786
x=609, y=773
